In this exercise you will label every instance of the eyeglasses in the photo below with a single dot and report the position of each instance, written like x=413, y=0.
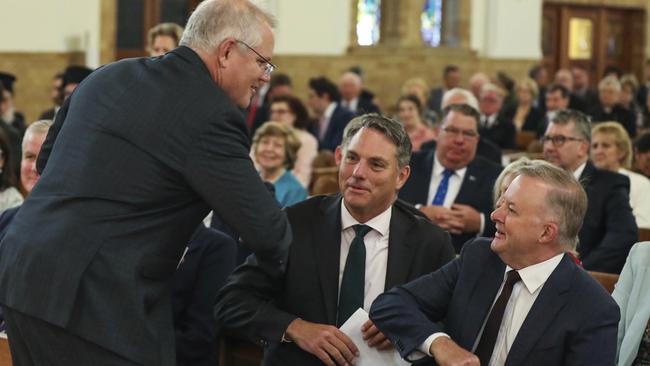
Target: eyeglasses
x=559, y=140
x=467, y=134
x=265, y=63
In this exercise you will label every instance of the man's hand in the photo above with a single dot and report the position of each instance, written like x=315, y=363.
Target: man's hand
x=447, y=353
x=465, y=219
x=439, y=215
x=326, y=342
x=374, y=337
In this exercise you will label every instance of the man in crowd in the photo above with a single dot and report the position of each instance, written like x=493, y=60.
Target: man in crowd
x=129, y=177
x=581, y=88
x=8, y=112
x=557, y=99
x=452, y=185
x=324, y=100
x=56, y=96
x=494, y=125
x=259, y=109
x=564, y=77
x=352, y=98
x=539, y=74
x=518, y=299
x=72, y=77
x=450, y=80
x=642, y=154
x=609, y=229
x=347, y=249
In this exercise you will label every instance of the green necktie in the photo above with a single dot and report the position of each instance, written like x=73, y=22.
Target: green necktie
x=354, y=274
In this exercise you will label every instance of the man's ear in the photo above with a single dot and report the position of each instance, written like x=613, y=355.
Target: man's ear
x=224, y=50
x=403, y=176
x=550, y=233
x=338, y=155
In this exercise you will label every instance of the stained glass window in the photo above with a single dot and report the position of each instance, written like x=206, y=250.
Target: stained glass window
x=432, y=22
x=368, y=17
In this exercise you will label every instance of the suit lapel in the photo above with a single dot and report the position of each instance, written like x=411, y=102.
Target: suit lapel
x=468, y=187
x=550, y=301
x=327, y=241
x=485, y=288
x=401, y=249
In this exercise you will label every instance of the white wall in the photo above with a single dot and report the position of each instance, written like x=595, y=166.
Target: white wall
x=51, y=26
x=506, y=28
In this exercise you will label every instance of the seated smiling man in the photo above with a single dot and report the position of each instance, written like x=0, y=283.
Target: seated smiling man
x=518, y=299
x=346, y=250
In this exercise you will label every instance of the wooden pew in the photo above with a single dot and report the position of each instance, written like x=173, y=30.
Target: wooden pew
x=5, y=355
x=644, y=234
x=607, y=280
x=235, y=352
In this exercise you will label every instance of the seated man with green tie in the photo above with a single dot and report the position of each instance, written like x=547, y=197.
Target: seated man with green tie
x=347, y=249
x=518, y=299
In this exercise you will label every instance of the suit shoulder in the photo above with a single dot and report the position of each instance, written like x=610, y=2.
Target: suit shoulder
x=602, y=177
x=591, y=293
x=309, y=207
x=481, y=164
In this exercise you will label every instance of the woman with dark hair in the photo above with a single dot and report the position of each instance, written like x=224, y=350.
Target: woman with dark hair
x=289, y=110
x=409, y=112
x=9, y=195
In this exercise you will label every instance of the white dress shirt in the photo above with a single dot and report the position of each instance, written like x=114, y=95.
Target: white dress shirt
x=324, y=121
x=352, y=105
x=376, y=241
x=455, y=181
x=578, y=172
x=523, y=296
x=639, y=197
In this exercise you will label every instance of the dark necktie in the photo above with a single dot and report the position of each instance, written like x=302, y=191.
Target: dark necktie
x=441, y=192
x=491, y=330
x=354, y=275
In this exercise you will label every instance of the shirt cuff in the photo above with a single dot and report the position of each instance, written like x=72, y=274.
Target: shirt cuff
x=426, y=345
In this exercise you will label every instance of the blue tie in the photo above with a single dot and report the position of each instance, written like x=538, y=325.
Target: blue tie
x=441, y=193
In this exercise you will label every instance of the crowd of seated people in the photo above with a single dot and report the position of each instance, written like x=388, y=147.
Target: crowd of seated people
x=458, y=137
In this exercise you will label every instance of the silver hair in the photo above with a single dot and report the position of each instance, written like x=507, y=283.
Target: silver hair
x=213, y=21
x=36, y=128
x=469, y=98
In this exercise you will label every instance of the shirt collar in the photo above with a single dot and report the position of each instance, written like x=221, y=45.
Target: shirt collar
x=578, y=172
x=438, y=169
x=329, y=110
x=379, y=223
x=536, y=275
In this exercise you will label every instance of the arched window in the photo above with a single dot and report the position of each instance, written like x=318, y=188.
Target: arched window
x=431, y=20
x=368, y=20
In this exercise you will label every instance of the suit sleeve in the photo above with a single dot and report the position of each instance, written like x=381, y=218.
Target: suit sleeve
x=620, y=231
x=245, y=306
x=52, y=134
x=219, y=168
x=410, y=313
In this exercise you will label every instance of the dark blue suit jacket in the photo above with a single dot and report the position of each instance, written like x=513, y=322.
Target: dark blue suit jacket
x=475, y=190
x=609, y=229
x=334, y=134
x=572, y=322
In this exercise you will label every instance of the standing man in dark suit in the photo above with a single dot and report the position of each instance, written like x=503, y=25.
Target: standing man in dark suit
x=451, y=80
x=324, y=100
x=138, y=155
x=450, y=183
x=516, y=300
x=609, y=229
x=346, y=250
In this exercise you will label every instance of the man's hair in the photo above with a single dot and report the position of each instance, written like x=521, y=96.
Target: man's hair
x=489, y=87
x=464, y=109
x=172, y=30
x=278, y=129
x=470, y=99
x=621, y=140
x=213, y=21
x=610, y=82
x=582, y=122
x=36, y=128
x=449, y=69
x=642, y=143
x=566, y=199
x=534, y=71
x=296, y=106
x=322, y=85
x=7, y=175
x=564, y=92
x=279, y=79
x=390, y=128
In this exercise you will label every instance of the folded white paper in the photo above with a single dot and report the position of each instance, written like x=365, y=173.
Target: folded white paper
x=368, y=356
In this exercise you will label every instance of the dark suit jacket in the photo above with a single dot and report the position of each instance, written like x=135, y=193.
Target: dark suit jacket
x=48, y=114
x=435, y=99
x=148, y=147
x=572, y=322
x=475, y=190
x=609, y=229
x=619, y=114
x=366, y=105
x=334, y=134
x=209, y=259
x=503, y=133
x=310, y=287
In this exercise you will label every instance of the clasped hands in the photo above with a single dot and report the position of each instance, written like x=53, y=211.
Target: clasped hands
x=329, y=344
x=457, y=220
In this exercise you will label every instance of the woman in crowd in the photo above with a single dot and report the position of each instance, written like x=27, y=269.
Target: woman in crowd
x=629, y=88
x=289, y=110
x=9, y=195
x=611, y=149
x=632, y=294
x=163, y=38
x=275, y=147
x=609, y=107
x=409, y=112
x=526, y=116
x=419, y=88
